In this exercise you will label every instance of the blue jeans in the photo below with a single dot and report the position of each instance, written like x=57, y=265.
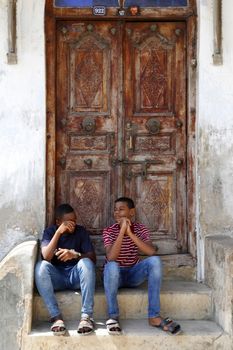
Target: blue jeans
x=50, y=278
x=116, y=277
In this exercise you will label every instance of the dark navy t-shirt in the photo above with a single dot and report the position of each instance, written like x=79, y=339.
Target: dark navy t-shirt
x=79, y=240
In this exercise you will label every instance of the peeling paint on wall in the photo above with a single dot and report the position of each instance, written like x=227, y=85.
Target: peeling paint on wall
x=214, y=130
x=216, y=173
x=22, y=125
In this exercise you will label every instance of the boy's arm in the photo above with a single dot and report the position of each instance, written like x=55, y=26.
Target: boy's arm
x=146, y=248
x=113, y=251
x=48, y=251
x=68, y=254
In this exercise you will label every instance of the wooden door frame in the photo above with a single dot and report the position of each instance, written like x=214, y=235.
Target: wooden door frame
x=187, y=14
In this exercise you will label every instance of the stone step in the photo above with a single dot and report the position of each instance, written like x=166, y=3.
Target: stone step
x=200, y=335
x=178, y=266
x=179, y=299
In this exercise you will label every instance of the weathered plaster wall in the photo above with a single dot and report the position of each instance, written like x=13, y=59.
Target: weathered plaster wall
x=22, y=125
x=215, y=128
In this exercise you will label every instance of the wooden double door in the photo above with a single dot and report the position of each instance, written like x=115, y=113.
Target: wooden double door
x=121, y=124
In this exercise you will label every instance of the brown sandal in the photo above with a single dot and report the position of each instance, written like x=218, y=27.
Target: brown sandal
x=169, y=326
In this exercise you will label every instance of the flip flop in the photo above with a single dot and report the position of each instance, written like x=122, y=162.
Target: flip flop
x=168, y=325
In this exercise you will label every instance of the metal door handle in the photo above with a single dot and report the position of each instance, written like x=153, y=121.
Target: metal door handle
x=116, y=161
x=89, y=125
x=130, y=136
x=153, y=126
x=130, y=142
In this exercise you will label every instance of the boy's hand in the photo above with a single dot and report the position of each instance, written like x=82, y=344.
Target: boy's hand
x=129, y=231
x=124, y=225
x=64, y=254
x=66, y=227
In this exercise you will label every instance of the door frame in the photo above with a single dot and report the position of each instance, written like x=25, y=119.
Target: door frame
x=187, y=14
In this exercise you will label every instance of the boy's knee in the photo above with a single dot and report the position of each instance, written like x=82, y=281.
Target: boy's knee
x=155, y=261
x=42, y=265
x=42, y=269
x=86, y=264
x=112, y=267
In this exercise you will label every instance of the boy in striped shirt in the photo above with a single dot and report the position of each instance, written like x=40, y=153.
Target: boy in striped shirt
x=123, y=267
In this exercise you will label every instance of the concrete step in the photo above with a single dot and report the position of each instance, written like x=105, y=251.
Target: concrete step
x=175, y=267
x=179, y=299
x=200, y=335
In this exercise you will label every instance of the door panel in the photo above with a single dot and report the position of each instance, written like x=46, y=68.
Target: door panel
x=155, y=128
x=87, y=105
x=121, y=124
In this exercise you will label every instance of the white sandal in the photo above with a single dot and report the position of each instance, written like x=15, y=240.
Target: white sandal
x=86, y=326
x=113, y=327
x=58, y=327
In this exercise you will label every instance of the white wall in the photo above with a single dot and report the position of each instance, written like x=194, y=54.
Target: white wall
x=22, y=125
x=215, y=128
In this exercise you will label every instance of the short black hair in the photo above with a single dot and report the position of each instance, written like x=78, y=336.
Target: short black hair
x=128, y=201
x=63, y=209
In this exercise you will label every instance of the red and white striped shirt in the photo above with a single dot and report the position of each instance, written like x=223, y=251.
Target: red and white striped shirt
x=129, y=251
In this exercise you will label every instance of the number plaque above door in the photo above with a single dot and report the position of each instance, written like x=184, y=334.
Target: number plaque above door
x=115, y=3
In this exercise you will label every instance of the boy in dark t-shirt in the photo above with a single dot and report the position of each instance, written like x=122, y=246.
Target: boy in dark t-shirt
x=68, y=263
x=123, y=267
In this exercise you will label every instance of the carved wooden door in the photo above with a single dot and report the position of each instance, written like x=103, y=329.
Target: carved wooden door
x=155, y=129
x=120, y=124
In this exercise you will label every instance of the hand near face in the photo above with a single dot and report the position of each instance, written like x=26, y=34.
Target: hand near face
x=129, y=231
x=66, y=227
x=125, y=224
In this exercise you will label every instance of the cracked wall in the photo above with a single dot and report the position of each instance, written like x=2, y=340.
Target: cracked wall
x=22, y=125
x=214, y=129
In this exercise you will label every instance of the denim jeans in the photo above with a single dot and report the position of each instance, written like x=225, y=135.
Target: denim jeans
x=116, y=277
x=50, y=278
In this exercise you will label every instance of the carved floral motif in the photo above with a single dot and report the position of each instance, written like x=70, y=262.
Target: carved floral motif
x=89, y=73
x=154, y=80
x=87, y=143
x=88, y=198
x=148, y=144
x=156, y=202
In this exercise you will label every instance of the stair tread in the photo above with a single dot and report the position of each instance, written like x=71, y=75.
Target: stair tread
x=137, y=328
x=182, y=287
x=136, y=335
